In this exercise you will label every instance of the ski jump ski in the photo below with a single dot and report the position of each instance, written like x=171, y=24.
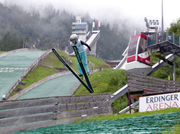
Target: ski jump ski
x=88, y=87
x=82, y=66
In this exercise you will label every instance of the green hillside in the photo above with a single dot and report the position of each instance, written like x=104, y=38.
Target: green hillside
x=51, y=65
x=105, y=79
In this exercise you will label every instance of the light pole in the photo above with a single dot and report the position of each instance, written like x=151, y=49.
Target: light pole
x=162, y=18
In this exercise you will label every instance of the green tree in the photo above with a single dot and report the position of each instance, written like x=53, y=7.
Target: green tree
x=6, y=41
x=175, y=27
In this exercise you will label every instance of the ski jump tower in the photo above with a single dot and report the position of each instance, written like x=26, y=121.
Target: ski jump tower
x=90, y=37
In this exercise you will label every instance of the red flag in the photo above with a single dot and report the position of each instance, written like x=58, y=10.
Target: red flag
x=99, y=23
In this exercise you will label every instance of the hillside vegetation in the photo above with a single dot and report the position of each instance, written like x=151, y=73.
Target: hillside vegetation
x=48, y=28
x=107, y=80
x=51, y=65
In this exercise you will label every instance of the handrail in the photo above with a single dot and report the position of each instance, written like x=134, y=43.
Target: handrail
x=166, y=36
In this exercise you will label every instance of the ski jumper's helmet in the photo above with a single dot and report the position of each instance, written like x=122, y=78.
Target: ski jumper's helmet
x=73, y=37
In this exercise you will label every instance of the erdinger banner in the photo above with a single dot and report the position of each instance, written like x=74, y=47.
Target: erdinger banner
x=157, y=102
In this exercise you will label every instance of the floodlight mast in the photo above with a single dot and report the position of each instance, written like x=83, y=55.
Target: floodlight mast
x=162, y=18
x=147, y=24
x=152, y=25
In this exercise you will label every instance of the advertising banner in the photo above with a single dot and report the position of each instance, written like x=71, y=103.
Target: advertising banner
x=158, y=102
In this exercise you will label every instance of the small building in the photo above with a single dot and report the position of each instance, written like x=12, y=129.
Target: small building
x=113, y=63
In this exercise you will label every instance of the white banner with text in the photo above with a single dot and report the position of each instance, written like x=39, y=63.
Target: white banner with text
x=158, y=102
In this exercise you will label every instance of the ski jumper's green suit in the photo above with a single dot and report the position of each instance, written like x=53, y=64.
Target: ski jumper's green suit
x=81, y=49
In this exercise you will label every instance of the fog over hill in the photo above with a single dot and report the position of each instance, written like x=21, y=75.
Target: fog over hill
x=47, y=23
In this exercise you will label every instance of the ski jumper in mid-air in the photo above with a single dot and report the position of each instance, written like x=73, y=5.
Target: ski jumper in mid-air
x=74, y=41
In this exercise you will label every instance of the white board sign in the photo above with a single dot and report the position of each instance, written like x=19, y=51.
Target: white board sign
x=158, y=102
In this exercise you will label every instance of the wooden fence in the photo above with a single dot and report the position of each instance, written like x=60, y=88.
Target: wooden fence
x=138, y=82
x=21, y=115
x=141, y=85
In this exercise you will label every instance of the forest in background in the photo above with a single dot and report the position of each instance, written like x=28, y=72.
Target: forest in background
x=50, y=28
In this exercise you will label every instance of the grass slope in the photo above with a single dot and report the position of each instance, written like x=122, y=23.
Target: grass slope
x=51, y=65
x=108, y=80
x=126, y=115
x=2, y=52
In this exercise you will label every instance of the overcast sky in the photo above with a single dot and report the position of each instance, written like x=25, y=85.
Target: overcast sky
x=115, y=10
